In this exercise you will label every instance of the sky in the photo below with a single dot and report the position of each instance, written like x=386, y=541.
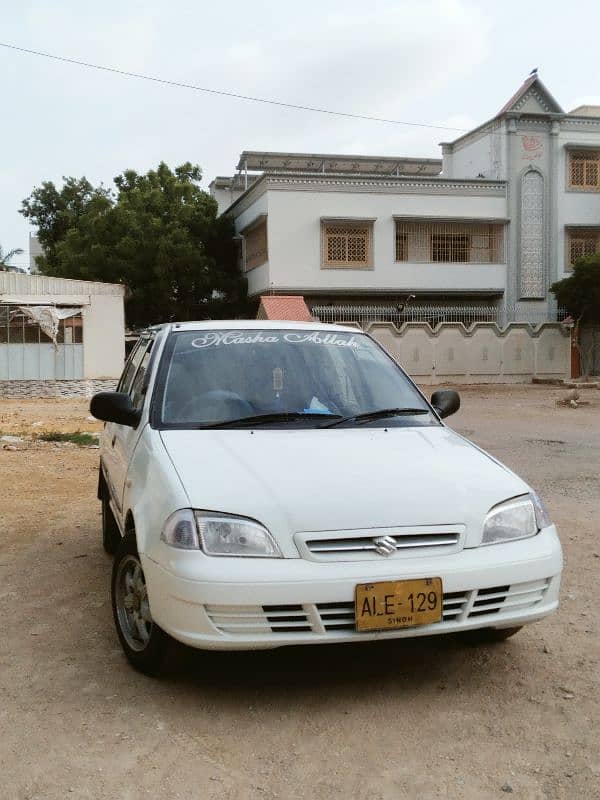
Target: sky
x=441, y=62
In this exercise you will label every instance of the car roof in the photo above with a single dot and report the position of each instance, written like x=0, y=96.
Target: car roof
x=256, y=324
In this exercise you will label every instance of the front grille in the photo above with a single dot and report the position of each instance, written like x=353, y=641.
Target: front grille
x=320, y=618
x=346, y=548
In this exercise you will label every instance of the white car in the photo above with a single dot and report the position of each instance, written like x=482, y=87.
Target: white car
x=273, y=483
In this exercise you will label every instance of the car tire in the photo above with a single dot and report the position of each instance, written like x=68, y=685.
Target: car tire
x=488, y=635
x=143, y=642
x=111, y=535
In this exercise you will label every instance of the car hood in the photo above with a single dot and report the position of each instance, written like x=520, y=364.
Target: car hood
x=302, y=480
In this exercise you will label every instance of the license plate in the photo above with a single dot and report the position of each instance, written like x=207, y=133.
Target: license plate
x=389, y=605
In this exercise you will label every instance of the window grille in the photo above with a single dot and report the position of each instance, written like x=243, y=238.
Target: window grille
x=433, y=315
x=256, y=246
x=452, y=247
x=401, y=245
x=582, y=242
x=584, y=170
x=347, y=245
x=449, y=242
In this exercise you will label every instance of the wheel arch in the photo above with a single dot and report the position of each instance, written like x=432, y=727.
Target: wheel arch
x=129, y=522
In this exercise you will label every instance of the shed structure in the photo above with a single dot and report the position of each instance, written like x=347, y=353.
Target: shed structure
x=58, y=329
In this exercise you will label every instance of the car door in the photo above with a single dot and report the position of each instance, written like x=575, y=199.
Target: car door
x=120, y=440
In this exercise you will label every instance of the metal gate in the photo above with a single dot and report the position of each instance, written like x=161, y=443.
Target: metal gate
x=589, y=338
x=27, y=353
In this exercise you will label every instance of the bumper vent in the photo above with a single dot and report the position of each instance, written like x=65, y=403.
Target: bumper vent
x=500, y=598
x=321, y=618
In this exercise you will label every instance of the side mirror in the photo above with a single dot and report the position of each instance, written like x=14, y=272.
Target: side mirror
x=114, y=407
x=445, y=402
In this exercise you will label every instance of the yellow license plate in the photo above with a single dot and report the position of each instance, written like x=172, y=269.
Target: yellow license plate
x=389, y=605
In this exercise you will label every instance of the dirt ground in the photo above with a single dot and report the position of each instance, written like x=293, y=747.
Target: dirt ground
x=428, y=719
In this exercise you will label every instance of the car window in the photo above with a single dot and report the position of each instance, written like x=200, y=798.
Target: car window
x=138, y=385
x=131, y=366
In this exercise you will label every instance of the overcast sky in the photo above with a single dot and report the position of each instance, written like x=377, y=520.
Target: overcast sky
x=444, y=62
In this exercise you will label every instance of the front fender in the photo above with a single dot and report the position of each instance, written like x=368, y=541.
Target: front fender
x=153, y=489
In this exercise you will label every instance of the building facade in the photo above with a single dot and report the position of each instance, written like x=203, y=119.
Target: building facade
x=492, y=224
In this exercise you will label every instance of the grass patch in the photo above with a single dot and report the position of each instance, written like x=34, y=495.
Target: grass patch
x=79, y=438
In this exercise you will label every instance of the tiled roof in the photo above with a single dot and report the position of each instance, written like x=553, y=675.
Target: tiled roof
x=284, y=307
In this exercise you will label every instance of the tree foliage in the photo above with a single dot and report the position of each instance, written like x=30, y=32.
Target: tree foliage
x=158, y=233
x=580, y=292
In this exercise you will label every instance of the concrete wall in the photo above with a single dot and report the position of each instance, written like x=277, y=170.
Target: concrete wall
x=478, y=155
x=103, y=337
x=482, y=353
x=294, y=242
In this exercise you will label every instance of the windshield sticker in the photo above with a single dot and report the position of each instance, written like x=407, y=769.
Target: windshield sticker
x=217, y=338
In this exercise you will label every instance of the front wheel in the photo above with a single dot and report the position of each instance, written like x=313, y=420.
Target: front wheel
x=144, y=643
x=488, y=635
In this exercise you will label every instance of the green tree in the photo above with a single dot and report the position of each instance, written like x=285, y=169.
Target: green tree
x=580, y=292
x=6, y=255
x=55, y=212
x=158, y=233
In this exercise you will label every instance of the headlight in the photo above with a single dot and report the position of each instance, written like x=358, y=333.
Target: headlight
x=514, y=519
x=541, y=512
x=219, y=534
x=180, y=530
x=226, y=535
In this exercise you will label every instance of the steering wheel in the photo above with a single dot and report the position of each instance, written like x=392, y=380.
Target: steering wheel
x=216, y=398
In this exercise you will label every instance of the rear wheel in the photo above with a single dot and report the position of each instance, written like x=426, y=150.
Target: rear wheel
x=488, y=635
x=143, y=642
x=111, y=535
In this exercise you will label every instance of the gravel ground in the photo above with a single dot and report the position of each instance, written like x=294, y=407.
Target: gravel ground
x=428, y=719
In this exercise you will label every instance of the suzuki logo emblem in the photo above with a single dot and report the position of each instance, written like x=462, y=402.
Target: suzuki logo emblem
x=384, y=545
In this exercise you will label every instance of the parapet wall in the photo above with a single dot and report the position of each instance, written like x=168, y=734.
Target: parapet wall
x=480, y=353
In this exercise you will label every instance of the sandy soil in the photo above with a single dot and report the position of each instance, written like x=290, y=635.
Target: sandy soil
x=430, y=719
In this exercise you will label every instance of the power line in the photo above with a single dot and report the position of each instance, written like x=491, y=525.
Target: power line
x=223, y=93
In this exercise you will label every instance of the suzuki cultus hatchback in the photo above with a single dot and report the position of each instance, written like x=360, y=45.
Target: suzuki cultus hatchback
x=267, y=484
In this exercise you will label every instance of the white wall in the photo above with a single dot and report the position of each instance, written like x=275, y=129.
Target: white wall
x=258, y=278
x=103, y=337
x=294, y=242
x=485, y=156
x=483, y=353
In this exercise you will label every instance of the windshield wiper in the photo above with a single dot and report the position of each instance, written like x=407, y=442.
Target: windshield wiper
x=367, y=416
x=278, y=416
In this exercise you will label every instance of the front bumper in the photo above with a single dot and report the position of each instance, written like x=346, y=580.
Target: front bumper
x=242, y=604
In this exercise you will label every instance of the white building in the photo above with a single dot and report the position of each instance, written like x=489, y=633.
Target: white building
x=35, y=250
x=59, y=336
x=495, y=222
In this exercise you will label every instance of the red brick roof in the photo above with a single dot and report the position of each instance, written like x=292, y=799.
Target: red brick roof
x=284, y=307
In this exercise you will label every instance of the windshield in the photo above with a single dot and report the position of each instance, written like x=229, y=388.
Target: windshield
x=296, y=377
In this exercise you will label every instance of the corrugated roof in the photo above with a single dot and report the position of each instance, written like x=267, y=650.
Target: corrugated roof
x=20, y=284
x=284, y=307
